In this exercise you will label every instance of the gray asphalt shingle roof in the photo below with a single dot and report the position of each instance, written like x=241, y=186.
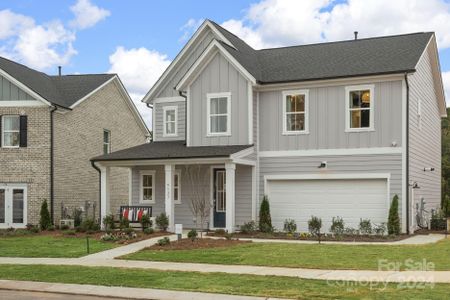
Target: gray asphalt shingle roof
x=60, y=90
x=170, y=150
x=369, y=56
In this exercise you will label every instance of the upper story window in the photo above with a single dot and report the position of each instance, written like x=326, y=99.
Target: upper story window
x=295, y=112
x=10, y=131
x=218, y=114
x=177, y=187
x=106, y=141
x=147, y=181
x=170, y=120
x=359, y=108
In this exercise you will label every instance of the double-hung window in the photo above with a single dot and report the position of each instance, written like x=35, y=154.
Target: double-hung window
x=359, y=108
x=177, y=187
x=219, y=114
x=295, y=112
x=147, y=184
x=10, y=131
x=170, y=121
x=106, y=141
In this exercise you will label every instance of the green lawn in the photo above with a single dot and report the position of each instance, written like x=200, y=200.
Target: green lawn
x=268, y=286
x=323, y=256
x=49, y=246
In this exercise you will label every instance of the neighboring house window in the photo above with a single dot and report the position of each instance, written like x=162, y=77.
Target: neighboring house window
x=359, y=108
x=419, y=114
x=106, y=141
x=218, y=114
x=147, y=187
x=170, y=121
x=10, y=131
x=177, y=187
x=295, y=112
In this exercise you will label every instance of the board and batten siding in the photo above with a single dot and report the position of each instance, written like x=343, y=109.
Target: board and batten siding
x=327, y=111
x=167, y=90
x=424, y=138
x=183, y=214
x=217, y=77
x=345, y=164
x=159, y=117
x=10, y=92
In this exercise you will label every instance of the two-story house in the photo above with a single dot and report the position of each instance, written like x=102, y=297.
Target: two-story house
x=329, y=129
x=50, y=127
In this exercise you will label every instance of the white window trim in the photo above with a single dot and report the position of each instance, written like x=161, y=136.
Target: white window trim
x=352, y=88
x=3, y=131
x=141, y=189
x=178, y=173
x=296, y=92
x=165, y=109
x=210, y=96
x=109, y=140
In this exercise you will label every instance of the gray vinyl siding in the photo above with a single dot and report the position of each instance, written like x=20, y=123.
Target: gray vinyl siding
x=219, y=76
x=167, y=90
x=159, y=126
x=9, y=91
x=327, y=120
x=357, y=164
x=243, y=191
x=425, y=142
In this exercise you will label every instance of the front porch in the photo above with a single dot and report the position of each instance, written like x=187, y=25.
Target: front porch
x=225, y=183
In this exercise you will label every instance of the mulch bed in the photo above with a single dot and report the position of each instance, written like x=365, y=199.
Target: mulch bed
x=201, y=243
x=344, y=238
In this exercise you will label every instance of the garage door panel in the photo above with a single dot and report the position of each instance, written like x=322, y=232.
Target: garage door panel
x=349, y=199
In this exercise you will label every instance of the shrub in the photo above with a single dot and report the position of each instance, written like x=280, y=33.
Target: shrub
x=337, y=226
x=32, y=228
x=220, y=232
x=265, y=222
x=145, y=221
x=394, y=220
x=438, y=221
x=128, y=230
x=89, y=225
x=351, y=231
x=164, y=241
x=124, y=223
x=192, y=235
x=365, y=227
x=64, y=227
x=162, y=221
x=290, y=226
x=228, y=236
x=379, y=229
x=108, y=237
x=44, y=222
x=109, y=222
x=248, y=228
x=149, y=230
x=77, y=217
x=314, y=226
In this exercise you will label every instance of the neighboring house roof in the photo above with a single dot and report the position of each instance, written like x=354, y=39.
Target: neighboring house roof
x=63, y=91
x=170, y=150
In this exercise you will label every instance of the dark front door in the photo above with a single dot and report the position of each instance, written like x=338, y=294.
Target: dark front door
x=219, y=198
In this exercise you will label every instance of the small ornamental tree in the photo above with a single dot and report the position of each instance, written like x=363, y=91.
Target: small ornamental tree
x=45, y=222
x=162, y=221
x=265, y=222
x=393, y=219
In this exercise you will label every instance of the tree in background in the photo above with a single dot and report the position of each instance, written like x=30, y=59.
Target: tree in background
x=445, y=125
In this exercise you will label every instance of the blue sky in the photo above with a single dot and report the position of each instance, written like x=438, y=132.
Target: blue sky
x=138, y=39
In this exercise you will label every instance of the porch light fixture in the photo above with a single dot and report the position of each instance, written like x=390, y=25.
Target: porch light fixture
x=322, y=165
x=415, y=185
x=428, y=169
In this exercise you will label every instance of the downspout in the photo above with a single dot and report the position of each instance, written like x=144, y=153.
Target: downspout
x=99, y=189
x=181, y=93
x=407, y=154
x=52, y=167
x=153, y=129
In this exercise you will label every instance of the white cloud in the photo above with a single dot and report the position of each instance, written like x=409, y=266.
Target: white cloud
x=139, y=69
x=12, y=23
x=87, y=14
x=189, y=28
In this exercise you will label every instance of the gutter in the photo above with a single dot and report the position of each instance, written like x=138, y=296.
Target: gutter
x=99, y=189
x=52, y=166
x=407, y=154
x=181, y=93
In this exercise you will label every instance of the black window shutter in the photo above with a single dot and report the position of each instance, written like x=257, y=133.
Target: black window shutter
x=23, y=131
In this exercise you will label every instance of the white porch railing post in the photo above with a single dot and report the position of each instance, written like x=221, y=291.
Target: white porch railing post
x=169, y=203
x=230, y=170
x=105, y=194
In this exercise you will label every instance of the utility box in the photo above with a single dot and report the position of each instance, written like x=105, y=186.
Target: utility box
x=67, y=222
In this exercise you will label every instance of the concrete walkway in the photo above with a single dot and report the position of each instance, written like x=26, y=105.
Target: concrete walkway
x=116, y=292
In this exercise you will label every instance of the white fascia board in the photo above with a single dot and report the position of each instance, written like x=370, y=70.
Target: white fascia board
x=24, y=87
x=242, y=153
x=318, y=176
x=192, y=74
x=206, y=24
x=332, y=152
x=168, y=100
x=22, y=103
x=153, y=162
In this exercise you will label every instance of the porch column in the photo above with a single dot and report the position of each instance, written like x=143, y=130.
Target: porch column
x=230, y=170
x=169, y=203
x=104, y=191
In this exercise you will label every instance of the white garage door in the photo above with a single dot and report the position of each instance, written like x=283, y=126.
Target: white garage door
x=349, y=199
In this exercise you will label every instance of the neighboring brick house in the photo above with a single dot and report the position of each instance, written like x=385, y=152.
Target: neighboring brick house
x=90, y=115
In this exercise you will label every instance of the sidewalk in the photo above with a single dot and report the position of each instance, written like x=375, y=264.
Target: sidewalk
x=116, y=292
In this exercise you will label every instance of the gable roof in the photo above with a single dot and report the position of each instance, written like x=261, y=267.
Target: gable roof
x=63, y=91
x=361, y=57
